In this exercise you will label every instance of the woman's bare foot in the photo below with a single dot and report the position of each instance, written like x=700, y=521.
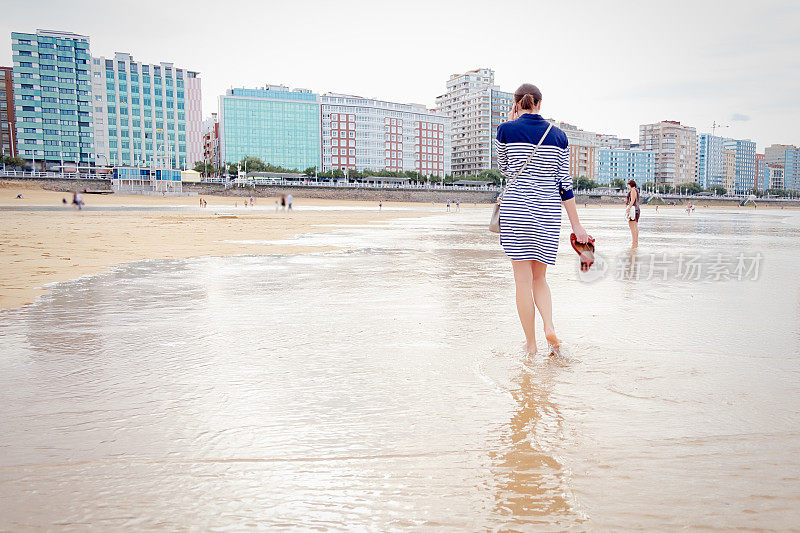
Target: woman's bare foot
x=530, y=347
x=553, y=342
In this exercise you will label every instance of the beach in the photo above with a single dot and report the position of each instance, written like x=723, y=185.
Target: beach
x=376, y=381
x=46, y=241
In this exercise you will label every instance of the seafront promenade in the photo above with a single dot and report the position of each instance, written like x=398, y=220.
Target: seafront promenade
x=384, y=192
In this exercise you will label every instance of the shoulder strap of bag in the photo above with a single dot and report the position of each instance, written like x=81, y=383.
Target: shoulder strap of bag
x=530, y=156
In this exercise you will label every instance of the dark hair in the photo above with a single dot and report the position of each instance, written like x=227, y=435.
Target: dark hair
x=527, y=96
x=632, y=183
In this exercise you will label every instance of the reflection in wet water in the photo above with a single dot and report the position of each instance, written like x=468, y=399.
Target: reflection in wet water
x=382, y=386
x=532, y=485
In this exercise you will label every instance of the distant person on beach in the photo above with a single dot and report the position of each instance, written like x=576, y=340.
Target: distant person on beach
x=458, y=205
x=448, y=205
x=283, y=202
x=530, y=208
x=201, y=202
x=19, y=196
x=380, y=205
x=633, y=211
x=64, y=201
x=276, y=206
x=289, y=200
x=77, y=201
x=251, y=201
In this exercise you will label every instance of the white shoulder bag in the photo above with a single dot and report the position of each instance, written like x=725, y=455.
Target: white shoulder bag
x=494, y=223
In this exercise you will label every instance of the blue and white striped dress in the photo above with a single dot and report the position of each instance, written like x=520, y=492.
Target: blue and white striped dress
x=530, y=212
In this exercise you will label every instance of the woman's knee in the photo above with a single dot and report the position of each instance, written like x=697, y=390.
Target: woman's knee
x=539, y=271
x=523, y=274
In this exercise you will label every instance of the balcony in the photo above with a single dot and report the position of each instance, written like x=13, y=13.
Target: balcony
x=18, y=47
x=26, y=70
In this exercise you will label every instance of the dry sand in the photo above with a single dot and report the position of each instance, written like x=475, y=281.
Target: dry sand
x=41, y=247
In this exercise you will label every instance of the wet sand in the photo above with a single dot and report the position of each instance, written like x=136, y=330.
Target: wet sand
x=44, y=241
x=379, y=385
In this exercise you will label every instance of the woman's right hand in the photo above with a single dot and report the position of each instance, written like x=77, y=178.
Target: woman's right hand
x=512, y=113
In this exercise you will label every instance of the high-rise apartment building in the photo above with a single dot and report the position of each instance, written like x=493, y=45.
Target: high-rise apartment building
x=745, y=177
x=278, y=125
x=145, y=114
x=52, y=97
x=476, y=106
x=368, y=134
x=786, y=156
x=710, y=151
x=675, y=146
x=8, y=134
x=582, y=150
x=631, y=164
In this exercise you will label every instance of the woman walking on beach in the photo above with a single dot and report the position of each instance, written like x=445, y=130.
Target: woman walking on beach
x=530, y=209
x=633, y=211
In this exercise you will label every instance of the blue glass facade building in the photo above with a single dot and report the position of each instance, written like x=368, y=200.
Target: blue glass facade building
x=52, y=97
x=745, y=163
x=710, y=160
x=279, y=126
x=791, y=170
x=626, y=165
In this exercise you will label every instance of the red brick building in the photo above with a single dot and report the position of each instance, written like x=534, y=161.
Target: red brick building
x=8, y=134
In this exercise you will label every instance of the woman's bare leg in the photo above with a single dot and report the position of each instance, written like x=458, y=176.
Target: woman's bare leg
x=523, y=278
x=634, y=233
x=544, y=301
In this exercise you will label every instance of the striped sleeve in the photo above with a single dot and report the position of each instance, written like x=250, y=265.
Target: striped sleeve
x=562, y=177
x=502, y=153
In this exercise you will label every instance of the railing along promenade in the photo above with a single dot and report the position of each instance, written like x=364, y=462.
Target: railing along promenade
x=347, y=184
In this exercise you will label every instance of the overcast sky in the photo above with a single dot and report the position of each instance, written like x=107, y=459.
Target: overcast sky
x=603, y=66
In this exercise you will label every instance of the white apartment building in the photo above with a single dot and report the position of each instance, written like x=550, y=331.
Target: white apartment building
x=145, y=114
x=729, y=170
x=775, y=177
x=613, y=142
x=675, y=147
x=368, y=134
x=477, y=106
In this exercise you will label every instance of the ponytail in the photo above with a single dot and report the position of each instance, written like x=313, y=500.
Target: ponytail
x=526, y=102
x=527, y=96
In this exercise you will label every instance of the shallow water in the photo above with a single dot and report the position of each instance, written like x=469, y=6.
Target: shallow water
x=381, y=386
